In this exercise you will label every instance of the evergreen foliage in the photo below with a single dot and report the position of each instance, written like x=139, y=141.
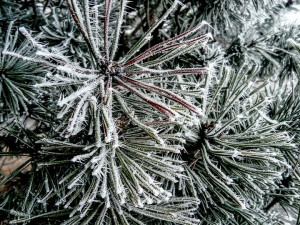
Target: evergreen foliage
x=149, y=112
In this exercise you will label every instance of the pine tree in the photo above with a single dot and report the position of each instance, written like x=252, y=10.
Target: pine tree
x=148, y=112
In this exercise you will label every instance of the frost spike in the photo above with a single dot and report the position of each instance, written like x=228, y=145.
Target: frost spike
x=116, y=37
x=89, y=30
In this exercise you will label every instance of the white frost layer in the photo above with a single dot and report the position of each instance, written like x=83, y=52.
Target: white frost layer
x=292, y=17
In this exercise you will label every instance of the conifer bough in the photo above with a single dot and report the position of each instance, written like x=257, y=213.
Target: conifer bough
x=164, y=129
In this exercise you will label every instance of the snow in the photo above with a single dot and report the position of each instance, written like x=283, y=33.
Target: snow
x=289, y=217
x=293, y=16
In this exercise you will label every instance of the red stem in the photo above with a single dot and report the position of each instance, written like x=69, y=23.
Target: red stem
x=165, y=110
x=176, y=71
x=162, y=92
x=159, y=45
x=106, y=23
x=86, y=38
